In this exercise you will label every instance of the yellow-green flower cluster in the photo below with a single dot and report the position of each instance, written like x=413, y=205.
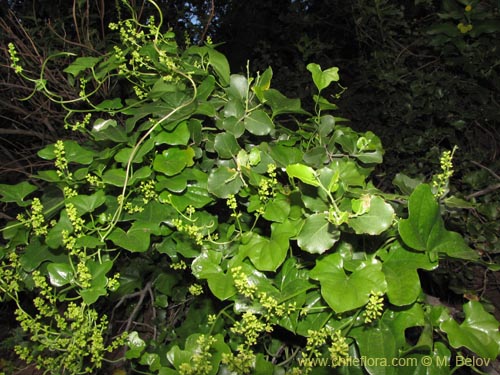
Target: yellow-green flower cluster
x=14, y=59
x=132, y=208
x=200, y=362
x=69, y=192
x=76, y=339
x=147, y=189
x=267, y=185
x=95, y=181
x=242, y=283
x=61, y=162
x=180, y=265
x=233, y=205
x=242, y=363
x=196, y=289
x=36, y=219
x=464, y=29
x=192, y=230
x=9, y=276
x=79, y=125
x=250, y=327
x=339, y=349
x=374, y=307
x=441, y=180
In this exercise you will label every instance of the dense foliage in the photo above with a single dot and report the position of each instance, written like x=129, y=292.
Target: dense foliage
x=205, y=223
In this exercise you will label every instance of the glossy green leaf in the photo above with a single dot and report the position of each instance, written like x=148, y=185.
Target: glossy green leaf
x=36, y=253
x=377, y=219
x=87, y=203
x=478, y=332
x=277, y=209
x=344, y=292
x=224, y=181
x=303, y=172
x=259, y=123
x=400, y=268
x=116, y=176
x=125, y=154
x=226, y=145
x=108, y=129
x=379, y=343
x=55, y=236
x=80, y=64
x=424, y=229
x=323, y=79
x=317, y=234
x=266, y=254
x=220, y=64
x=280, y=104
x=173, y=160
x=98, y=270
x=178, y=136
x=136, y=239
x=263, y=84
x=16, y=193
x=221, y=285
x=60, y=274
x=73, y=152
x=136, y=345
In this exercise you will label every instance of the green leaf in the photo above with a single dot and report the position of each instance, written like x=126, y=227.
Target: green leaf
x=224, y=181
x=266, y=254
x=87, y=203
x=280, y=104
x=277, y=209
x=74, y=153
x=178, y=136
x=405, y=184
x=173, y=160
x=263, y=84
x=303, y=172
x=116, y=176
x=17, y=193
x=80, y=64
x=322, y=79
x=220, y=64
x=136, y=345
x=400, y=268
x=259, y=123
x=60, y=274
x=238, y=86
x=123, y=156
x=110, y=104
x=317, y=234
x=478, y=332
x=424, y=229
x=35, y=254
x=221, y=285
x=377, y=219
x=104, y=130
x=136, y=239
x=345, y=292
x=379, y=343
x=99, y=281
x=226, y=145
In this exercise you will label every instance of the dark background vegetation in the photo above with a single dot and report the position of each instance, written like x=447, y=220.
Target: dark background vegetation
x=411, y=76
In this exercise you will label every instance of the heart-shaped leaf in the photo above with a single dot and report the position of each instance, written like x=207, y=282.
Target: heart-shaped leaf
x=317, y=234
x=478, y=332
x=344, y=292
